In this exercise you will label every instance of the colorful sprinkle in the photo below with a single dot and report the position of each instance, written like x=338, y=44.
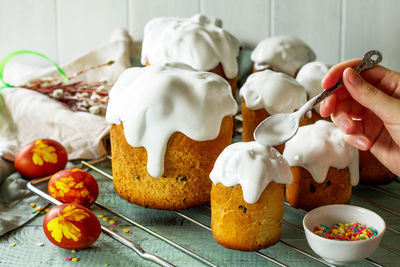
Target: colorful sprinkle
x=100, y=215
x=106, y=264
x=32, y=205
x=105, y=219
x=73, y=251
x=40, y=244
x=112, y=222
x=348, y=231
x=68, y=258
x=75, y=259
x=127, y=230
x=13, y=245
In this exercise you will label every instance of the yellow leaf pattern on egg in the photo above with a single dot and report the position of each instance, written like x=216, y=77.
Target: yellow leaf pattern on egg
x=62, y=225
x=69, y=185
x=43, y=153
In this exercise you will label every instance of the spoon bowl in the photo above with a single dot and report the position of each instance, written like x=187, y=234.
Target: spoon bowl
x=277, y=129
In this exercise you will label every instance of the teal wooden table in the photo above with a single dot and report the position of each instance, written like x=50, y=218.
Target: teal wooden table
x=188, y=233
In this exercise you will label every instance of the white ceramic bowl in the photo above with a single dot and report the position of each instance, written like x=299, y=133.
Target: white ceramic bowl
x=342, y=252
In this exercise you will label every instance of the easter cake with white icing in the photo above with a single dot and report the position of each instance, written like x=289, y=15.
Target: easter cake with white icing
x=247, y=196
x=323, y=165
x=198, y=41
x=169, y=123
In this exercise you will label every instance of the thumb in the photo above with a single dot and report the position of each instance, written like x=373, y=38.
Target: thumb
x=383, y=105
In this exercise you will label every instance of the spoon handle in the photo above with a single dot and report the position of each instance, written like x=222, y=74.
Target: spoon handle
x=367, y=62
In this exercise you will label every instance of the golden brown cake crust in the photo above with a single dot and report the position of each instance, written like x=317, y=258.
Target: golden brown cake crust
x=185, y=182
x=239, y=225
x=232, y=82
x=372, y=171
x=307, y=194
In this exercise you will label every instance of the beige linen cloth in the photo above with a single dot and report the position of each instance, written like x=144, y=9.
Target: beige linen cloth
x=26, y=115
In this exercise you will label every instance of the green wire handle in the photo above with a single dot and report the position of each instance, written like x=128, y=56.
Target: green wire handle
x=19, y=52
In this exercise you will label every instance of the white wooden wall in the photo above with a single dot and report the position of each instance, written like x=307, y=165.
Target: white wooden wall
x=335, y=29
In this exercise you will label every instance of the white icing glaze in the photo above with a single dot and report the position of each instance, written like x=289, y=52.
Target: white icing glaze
x=198, y=41
x=310, y=76
x=273, y=91
x=282, y=53
x=156, y=101
x=319, y=146
x=251, y=165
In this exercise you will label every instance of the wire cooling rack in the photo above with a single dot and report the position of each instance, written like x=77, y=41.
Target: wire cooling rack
x=202, y=219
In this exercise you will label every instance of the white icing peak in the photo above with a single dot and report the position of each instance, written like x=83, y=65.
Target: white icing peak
x=251, y=165
x=310, y=76
x=273, y=91
x=156, y=101
x=319, y=146
x=282, y=53
x=198, y=41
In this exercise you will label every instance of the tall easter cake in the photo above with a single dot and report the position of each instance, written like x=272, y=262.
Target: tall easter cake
x=198, y=41
x=247, y=196
x=169, y=123
x=267, y=93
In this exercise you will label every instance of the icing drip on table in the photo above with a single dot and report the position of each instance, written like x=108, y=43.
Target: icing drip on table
x=282, y=53
x=198, y=41
x=310, y=76
x=154, y=102
x=319, y=146
x=273, y=91
x=251, y=165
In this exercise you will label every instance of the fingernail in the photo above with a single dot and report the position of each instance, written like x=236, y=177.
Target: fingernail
x=362, y=143
x=353, y=77
x=344, y=124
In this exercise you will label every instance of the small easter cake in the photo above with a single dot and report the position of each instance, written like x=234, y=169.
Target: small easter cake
x=247, y=196
x=198, y=41
x=169, y=123
x=283, y=54
x=323, y=165
x=267, y=93
x=310, y=77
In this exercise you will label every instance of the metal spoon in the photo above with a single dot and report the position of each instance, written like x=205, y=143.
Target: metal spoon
x=279, y=128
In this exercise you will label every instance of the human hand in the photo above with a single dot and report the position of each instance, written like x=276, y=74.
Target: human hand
x=367, y=109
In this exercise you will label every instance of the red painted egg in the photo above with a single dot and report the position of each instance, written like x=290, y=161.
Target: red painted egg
x=71, y=226
x=74, y=186
x=40, y=158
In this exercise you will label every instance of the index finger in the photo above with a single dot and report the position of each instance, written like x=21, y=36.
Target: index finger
x=375, y=75
x=335, y=73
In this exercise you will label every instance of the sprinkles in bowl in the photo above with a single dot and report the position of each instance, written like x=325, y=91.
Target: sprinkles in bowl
x=346, y=232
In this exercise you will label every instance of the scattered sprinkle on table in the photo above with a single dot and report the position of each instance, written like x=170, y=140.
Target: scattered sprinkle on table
x=345, y=232
x=13, y=244
x=73, y=251
x=32, y=205
x=75, y=259
x=105, y=219
x=100, y=215
x=127, y=230
x=112, y=222
x=40, y=244
x=68, y=258
x=106, y=264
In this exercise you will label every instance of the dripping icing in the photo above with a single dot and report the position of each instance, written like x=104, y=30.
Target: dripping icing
x=156, y=101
